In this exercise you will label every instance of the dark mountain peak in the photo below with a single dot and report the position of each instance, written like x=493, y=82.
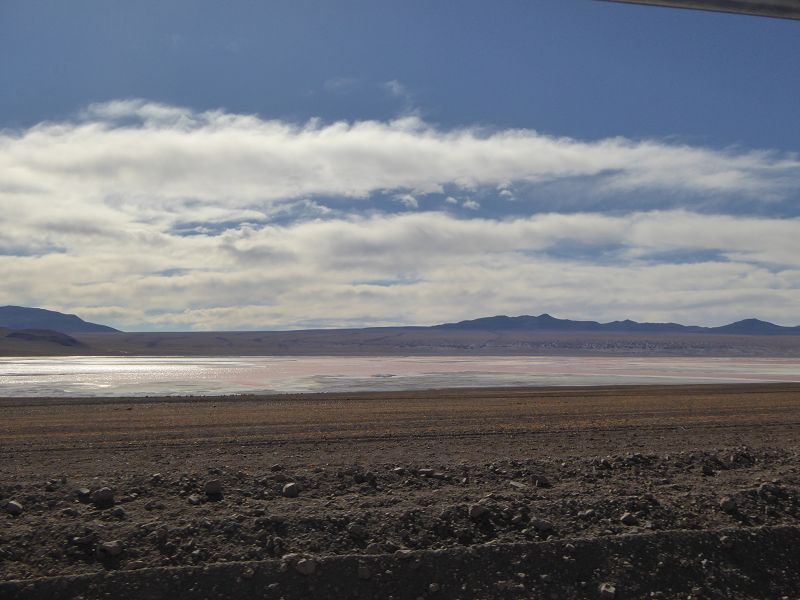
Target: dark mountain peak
x=546, y=322
x=23, y=317
x=755, y=327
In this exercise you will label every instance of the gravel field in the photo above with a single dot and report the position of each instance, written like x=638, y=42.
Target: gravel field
x=626, y=492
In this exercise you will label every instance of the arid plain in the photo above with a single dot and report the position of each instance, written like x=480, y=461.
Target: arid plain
x=625, y=492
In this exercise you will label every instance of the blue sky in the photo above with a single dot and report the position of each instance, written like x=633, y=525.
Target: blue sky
x=207, y=165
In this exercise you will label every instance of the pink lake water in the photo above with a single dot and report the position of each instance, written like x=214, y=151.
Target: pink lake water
x=151, y=376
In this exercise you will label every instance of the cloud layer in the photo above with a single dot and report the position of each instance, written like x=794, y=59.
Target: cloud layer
x=152, y=216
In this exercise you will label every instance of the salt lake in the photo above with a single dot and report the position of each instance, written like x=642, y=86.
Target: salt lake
x=157, y=376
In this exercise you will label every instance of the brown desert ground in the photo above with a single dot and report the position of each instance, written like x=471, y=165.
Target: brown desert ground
x=617, y=492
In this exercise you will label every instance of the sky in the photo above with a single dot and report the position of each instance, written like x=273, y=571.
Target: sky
x=199, y=165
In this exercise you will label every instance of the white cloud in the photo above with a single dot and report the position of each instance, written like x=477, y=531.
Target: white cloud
x=471, y=204
x=149, y=159
x=407, y=200
x=143, y=215
x=426, y=267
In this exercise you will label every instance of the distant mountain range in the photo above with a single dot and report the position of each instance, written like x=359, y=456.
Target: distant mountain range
x=548, y=323
x=21, y=317
x=38, y=332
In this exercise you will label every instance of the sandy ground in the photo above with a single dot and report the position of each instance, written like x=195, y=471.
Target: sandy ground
x=626, y=492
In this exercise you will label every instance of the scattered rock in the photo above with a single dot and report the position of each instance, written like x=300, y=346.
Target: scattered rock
x=14, y=508
x=629, y=519
x=769, y=490
x=306, y=566
x=84, y=495
x=213, y=489
x=541, y=481
x=103, y=497
x=276, y=467
x=607, y=590
x=109, y=549
x=542, y=525
x=195, y=500
x=589, y=513
x=357, y=531
x=291, y=490
x=374, y=548
x=119, y=512
x=518, y=485
x=477, y=511
x=728, y=504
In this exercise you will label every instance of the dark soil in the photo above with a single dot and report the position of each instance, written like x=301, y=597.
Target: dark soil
x=658, y=492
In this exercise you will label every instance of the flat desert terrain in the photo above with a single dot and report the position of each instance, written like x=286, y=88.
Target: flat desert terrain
x=616, y=492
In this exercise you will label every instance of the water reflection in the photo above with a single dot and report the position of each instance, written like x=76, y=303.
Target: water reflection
x=148, y=376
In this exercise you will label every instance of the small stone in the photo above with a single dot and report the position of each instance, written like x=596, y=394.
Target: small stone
x=477, y=511
x=434, y=587
x=541, y=481
x=708, y=471
x=586, y=514
x=363, y=571
x=276, y=467
x=248, y=573
x=109, y=549
x=14, y=508
x=518, y=485
x=119, y=512
x=728, y=504
x=291, y=490
x=542, y=525
x=629, y=519
x=103, y=498
x=726, y=542
x=84, y=494
x=518, y=519
x=306, y=566
x=195, y=500
x=357, y=531
x=213, y=488
x=607, y=590
x=374, y=548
